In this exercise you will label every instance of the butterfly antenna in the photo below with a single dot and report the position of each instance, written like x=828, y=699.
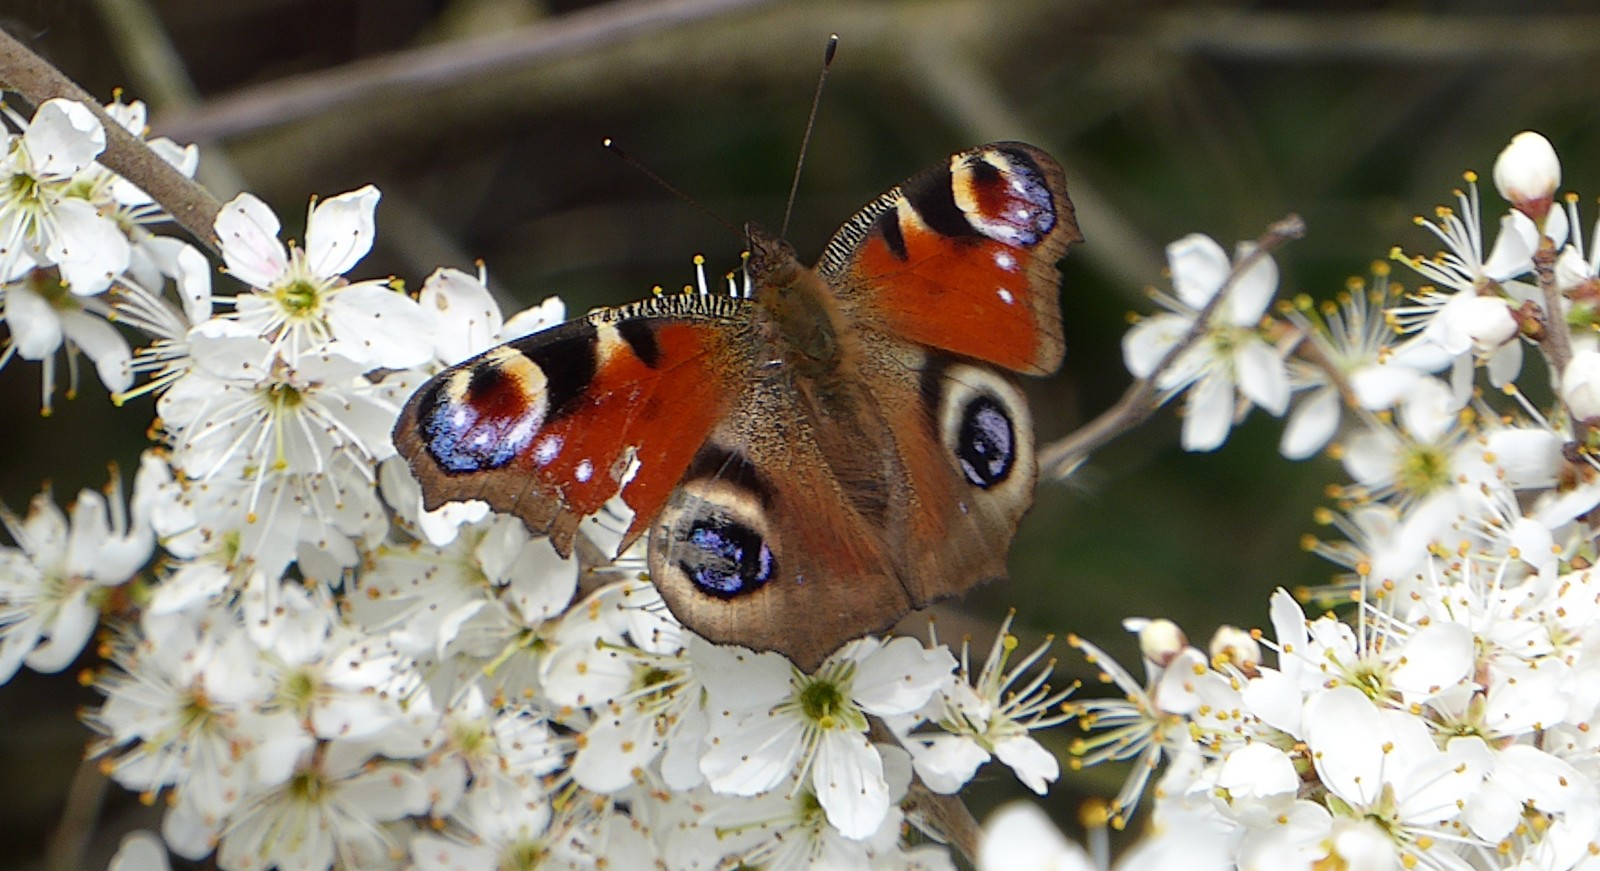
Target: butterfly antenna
x=811, y=121
x=611, y=146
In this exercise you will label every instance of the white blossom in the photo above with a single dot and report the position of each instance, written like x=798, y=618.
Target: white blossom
x=1231, y=366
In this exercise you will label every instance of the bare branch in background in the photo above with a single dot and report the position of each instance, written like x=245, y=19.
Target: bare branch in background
x=292, y=99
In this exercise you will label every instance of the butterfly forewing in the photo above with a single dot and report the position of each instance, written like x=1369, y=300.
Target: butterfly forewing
x=550, y=426
x=962, y=257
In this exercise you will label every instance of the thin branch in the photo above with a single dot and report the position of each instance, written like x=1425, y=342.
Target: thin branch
x=80, y=820
x=949, y=816
x=1557, y=335
x=1142, y=397
x=419, y=70
x=946, y=814
x=192, y=206
x=1389, y=36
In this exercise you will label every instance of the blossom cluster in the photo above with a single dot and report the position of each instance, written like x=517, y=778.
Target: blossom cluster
x=308, y=670
x=1440, y=711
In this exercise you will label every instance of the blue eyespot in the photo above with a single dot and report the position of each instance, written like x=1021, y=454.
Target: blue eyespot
x=461, y=439
x=725, y=558
x=986, y=443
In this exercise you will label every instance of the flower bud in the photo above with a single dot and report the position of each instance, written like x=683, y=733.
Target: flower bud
x=1161, y=640
x=1527, y=174
x=1238, y=646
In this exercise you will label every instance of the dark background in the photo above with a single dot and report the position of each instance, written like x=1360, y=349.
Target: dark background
x=1219, y=117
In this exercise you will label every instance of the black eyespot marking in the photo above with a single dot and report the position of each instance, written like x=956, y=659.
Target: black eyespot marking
x=984, y=173
x=933, y=196
x=986, y=444
x=567, y=360
x=716, y=463
x=723, y=557
x=889, y=225
x=485, y=381
x=641, y=337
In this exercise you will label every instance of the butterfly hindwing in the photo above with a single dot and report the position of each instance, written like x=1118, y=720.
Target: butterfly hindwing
x=965, y=437
x=774, y=538
x=962, y=258
x=550, y=426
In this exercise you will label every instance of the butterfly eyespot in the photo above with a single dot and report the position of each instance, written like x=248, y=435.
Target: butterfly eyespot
x=986, y=443
x=484, y=417
x=724, y=557
x=983, y=423
x=1004, y=196
x=713, y=537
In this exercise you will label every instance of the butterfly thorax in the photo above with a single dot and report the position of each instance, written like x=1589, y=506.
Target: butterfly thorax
x=803, y=317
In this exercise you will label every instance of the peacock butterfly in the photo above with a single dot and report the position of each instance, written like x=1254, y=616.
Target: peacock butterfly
x=813, y=457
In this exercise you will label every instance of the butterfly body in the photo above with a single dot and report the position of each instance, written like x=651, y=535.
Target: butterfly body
x=812, y=460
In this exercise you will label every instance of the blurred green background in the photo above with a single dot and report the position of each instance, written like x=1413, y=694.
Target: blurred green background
x=481, y=121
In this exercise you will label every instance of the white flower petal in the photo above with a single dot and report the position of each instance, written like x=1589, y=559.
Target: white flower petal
x=1346, y=736
x=88, y=248
x=386, y=327
x=748, y=756
x=1144, y=346
x=1208, y=416
x=1525, y=456
x=946, y=762
x=900, y=676
x=340, y=231
x=1436, y=656
x=746, y=681
x=848, y=776
x=189, y=268
x=612, y=749
x=63, y=137
x=104, y=346
x=140, y=851
x=1380, y=386
x=36, y=330
x=248, y=231
x=1019, y=837
x=1512, y=254
x=1505, y=364
x=73, y=623
x=1253, y=291
x=1263, y=378
x=1312, y=424
x=546, y=314
x=1199, y=266
x=1276, y=698
x=1035, y=766
x=1429, y=410
x=466, y=319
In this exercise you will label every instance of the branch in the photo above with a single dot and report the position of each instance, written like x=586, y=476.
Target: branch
x=418, y=70
x=949, y=816
x=946, y=814
x=1557, y=337
x=1141, y=398
x=192, y=206
x=85, y=795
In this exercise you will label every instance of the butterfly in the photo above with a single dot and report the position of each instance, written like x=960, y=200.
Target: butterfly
x=811, y=458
